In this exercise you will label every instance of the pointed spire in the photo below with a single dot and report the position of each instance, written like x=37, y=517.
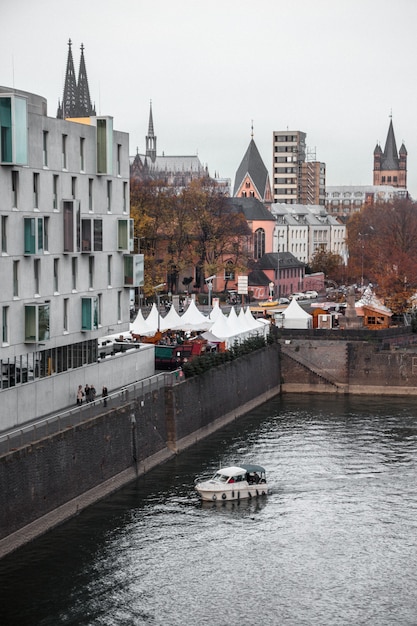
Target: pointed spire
x=151, y=138
x=390, y=158
x=69, y=98
x=76, y=99
x=83, y=92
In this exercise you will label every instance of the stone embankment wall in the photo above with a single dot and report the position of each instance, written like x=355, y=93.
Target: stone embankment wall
x=385, y=367
x=44, y=483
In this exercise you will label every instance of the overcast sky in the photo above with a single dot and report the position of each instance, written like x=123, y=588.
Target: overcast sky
x=334, y=69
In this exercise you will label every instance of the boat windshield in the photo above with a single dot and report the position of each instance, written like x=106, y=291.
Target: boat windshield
x=221, y=478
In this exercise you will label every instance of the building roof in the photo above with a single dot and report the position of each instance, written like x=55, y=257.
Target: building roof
x=253, y=166
x=286, y=259
x=253, y=209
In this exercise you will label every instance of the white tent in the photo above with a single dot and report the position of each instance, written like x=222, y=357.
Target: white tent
x=193, y=319
x=171, y=320
x=294, y=316
x=251, y=321
x=139, y=326
x=215, y=312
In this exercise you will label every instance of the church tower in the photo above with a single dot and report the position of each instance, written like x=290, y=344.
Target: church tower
x=151, y=138
x=252, y=178
x=76, y=100
x=390, y=167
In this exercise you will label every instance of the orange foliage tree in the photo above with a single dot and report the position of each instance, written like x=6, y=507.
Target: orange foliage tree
x=382, y=244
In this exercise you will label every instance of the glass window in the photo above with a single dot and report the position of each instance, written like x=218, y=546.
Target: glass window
x=15, y=279
x=33, y=235
x=13, y=130
x=89, y=313
x=82, y=158
x=86, y=242
x=5, y=324
x=259, y=243
x=98, y=235
x=64, y=152
x=109, y=195
x=55, y=181
x=37, y=322
x=4, y=234
x=90, y=194
x=45, y=148
x=91, y=272
x=36, y=190
x=56, y=275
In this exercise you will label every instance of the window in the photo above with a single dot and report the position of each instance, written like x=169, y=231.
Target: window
x=36, y=322
x=33, y=235
x=91, y=272
x=89, y=313
x=5, y=324
x=15, y=279
x=56, y=275
x=55, y=201
x=109, y=268
x=109, y=191
x=119, y=306
x=71, y=216
x=74, y=268
x=104, y=145
x=259, y=243
x=133, y=270
x=66, y=305
x=45, y=149
x=37, y=275
x=91, y=235
x=15, y=188
x=46, y=234
x=125, y=198
x=13, y=130
x=4, y=234
x=119, y=155
x=125, y=234
x=73, y=187
x=36, y=190
x=64, y=152
x=82, y=158
x=90, y=194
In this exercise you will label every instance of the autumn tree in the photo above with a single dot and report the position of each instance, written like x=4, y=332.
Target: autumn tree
x=382, y=243
x=328, y=262
x=193, y=227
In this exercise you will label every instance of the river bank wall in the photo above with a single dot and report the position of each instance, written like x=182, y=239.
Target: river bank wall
x=53, y=479
x=358, y=362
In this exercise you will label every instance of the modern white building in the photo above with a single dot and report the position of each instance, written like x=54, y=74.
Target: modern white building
x=65, y=267
x=303, y=229
x=344, y=200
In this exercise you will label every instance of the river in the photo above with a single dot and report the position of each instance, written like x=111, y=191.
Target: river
x=334, y=544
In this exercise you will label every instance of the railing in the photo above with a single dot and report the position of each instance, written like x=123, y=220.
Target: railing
x=52, y=424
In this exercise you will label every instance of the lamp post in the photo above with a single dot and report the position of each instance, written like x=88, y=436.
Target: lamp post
x=209, y=283
x=158, y=299
x=278, y=238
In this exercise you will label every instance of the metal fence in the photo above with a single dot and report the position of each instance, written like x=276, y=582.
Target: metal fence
x=57, y=422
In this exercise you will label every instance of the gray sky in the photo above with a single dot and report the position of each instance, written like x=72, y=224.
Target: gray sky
x=334, y=69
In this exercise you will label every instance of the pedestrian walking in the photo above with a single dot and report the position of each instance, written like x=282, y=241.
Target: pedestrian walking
x=104, y=393
x=92, y=393
x=87, y=393
x=80, y=395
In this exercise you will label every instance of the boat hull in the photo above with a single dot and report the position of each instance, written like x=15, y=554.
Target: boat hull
x=210, y=491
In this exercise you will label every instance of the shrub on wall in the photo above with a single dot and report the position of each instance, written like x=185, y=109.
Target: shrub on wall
x=202, y=363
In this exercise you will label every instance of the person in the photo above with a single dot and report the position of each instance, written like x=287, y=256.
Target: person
x=104, y=393
x=80, y=394
x=92, y=393
x=87, y=393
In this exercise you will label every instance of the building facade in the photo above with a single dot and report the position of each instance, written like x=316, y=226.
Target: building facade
x=345, y=200
x=65, y=235
x=252, y=178
x=297, y=177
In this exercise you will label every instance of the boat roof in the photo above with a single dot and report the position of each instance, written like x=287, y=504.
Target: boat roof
x=234, y=469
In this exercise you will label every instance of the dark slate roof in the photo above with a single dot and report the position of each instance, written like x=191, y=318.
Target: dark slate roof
x=257, y=278
x=286, y=259
x=252, y=208
x=390, y=157
x=253, y=165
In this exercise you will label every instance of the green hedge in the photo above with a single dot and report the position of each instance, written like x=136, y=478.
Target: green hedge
x=201, y=364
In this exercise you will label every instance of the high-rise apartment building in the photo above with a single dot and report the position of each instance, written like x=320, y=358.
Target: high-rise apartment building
x=66, y=235
x=297, y=179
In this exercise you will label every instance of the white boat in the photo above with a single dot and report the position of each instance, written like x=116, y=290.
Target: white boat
x=234, y=483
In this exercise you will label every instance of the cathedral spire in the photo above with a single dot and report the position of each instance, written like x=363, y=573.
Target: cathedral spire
x=76, y=99
x=84, y=102
x=69, y=97
x=150, y=137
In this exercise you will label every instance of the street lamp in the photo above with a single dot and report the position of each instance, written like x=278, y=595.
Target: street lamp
x=279, y=235
x=158, y=298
